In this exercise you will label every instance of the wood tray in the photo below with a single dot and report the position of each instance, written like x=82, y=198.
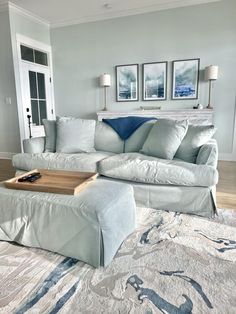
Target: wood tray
x=54, y=181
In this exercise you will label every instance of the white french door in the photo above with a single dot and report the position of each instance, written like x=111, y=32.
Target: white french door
x=36, y=97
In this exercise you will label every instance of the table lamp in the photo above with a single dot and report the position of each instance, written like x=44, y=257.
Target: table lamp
x=105, y=81
x=211, y=74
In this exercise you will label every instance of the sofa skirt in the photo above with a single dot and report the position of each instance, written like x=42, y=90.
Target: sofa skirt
x=200, y=201
x=195, y=200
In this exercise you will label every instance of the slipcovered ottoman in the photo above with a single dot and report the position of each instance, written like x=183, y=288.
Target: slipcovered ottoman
x=89, y=226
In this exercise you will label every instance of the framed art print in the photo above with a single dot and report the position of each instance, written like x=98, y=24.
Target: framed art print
x=185, y=78
x=127, y=82
x=154, y=80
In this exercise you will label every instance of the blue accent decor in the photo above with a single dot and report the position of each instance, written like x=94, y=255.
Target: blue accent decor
x=59, y=272
x=126, y=126
x=64, y=298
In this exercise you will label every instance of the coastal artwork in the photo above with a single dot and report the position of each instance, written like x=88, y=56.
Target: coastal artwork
x=154, y=81
x=127, y=82
x=185, y=77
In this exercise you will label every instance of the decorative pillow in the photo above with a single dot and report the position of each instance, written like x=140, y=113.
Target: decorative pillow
x=196, y=136
x=75, y=135
x=50, y=129
x=135, y=142
x=164, y=138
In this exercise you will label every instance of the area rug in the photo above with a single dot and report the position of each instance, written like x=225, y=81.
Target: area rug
x=172, y=263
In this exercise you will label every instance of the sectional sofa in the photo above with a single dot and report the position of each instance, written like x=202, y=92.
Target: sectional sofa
x=174, y=185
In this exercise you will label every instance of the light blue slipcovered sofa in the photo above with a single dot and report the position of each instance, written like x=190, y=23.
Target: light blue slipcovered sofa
x=173, y=185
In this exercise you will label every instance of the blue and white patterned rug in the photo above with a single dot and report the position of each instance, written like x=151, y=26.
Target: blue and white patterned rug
x=173, y=263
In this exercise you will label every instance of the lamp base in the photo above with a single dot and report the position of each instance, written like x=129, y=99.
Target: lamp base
x=104, y=109
x=209, y=107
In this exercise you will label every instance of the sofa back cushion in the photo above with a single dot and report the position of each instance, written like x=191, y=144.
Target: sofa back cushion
x=50, y=128
x=196, y=136
x=164, y=138
x=135, y=142
x=75, y=135
x=106, y=139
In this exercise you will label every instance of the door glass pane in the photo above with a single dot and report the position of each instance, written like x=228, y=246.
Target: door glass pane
x=41, y=57
x=35, y=112
x=27, y=53
x=41, y=86
x=43, y=110
x=33, y=85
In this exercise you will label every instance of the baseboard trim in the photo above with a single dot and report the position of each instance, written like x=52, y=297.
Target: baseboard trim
x=227, y=157
x=6, y=155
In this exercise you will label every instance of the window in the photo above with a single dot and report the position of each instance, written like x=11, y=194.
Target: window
x=33, y=55
x=37, y=97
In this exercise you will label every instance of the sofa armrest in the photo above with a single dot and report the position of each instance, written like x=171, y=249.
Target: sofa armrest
x=34, y=145
x=208, y=154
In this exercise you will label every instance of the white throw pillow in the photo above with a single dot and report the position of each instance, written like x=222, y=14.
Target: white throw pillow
x=75, y=135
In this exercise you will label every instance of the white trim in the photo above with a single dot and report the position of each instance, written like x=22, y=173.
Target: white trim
x=27, y=14
x=6, y=155
x=231, y=156
x=134, y=11
x=227, y=157
x=170, y=4
x=33, y=43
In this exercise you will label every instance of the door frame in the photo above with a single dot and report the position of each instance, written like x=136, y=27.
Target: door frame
x=23, y=40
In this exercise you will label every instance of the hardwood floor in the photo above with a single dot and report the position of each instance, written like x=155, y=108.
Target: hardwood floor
x=6, y=169
x=226, y=188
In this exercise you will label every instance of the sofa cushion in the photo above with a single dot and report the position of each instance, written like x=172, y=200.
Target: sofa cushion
x=196, y=136
x=164, y=138
x=50, y=128
x=75, y=135
x=135, y=142
x=81, y=162
x=140, y=168
x=106, y=139
x=208, y=154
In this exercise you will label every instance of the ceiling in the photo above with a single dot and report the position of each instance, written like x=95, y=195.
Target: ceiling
x=66, y=12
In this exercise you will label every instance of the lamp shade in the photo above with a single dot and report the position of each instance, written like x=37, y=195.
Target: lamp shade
x=211, y=72
x=105, y=80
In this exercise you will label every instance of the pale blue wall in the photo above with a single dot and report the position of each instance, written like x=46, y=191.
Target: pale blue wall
x=23, y=25
x=82, y=52
x=12, y=23
x=9, y=127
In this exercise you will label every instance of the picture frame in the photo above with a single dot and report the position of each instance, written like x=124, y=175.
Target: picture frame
x=127, y=82
x=185, y=79
x=154, y=81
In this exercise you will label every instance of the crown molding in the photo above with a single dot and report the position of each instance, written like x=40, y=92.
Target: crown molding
x=122, y=13
x=27, y=14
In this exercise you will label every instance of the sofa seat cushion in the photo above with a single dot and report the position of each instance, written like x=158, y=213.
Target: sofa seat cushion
x=140, y=168
x=80, y=162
